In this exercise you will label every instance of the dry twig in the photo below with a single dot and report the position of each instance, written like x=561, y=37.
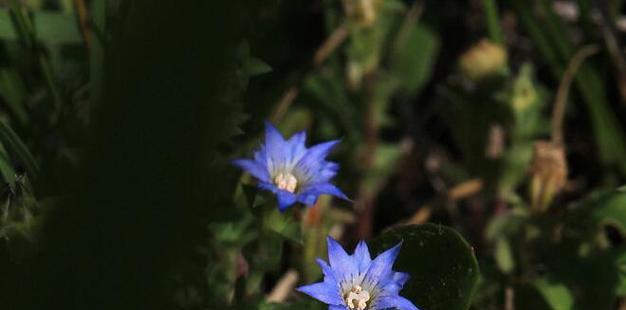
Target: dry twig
x=558, y=113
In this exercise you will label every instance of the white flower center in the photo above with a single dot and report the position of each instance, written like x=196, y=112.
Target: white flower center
x=357, y=298
x=286, y=181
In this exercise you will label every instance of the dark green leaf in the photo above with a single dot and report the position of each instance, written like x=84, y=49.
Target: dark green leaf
x=444, y=271
x=598, y=211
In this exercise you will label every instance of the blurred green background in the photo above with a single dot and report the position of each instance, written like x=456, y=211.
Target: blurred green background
x=493, y=128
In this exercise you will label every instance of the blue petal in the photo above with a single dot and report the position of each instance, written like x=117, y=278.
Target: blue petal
x=394, y=302
x=296, y=147
x=310, y=168
x=308, y=199
x=362, y=256
x=321, y=150
x=341, y=263
x=269, y=187
x=275, y=147
x=309, y=194
x=285, y=199
x=401, y=277
x=320, y=189
x=323, y=292
x=326, y=270
x=328, y=172
x=254, y=168
x=273, y=138
x=333, y=307
x=380, y=268
x=260, y=156
x=393, y=287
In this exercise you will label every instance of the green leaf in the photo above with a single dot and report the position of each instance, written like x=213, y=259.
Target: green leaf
x=527, y=296
x=444, y=271
x=49, y=27
x=254, y=66
x=249, y=66
x=283, y=225
x=556, y=295
x=599, y=210
x=268, y=253
x=509, y=224
x=413, y=60
x=53, y=27
x=504, y=255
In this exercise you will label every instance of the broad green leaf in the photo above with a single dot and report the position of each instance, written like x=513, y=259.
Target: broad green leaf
x=444, y=271
x=414, y=59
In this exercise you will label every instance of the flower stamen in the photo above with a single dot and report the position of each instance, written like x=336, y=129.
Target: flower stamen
x=357, y=298
x=286, y=181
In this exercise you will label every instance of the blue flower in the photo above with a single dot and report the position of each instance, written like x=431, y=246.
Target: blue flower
x=356, y=282
x=292, y=171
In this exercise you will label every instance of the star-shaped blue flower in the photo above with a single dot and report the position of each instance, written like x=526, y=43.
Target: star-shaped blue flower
x=292, y=171
x=356, y=282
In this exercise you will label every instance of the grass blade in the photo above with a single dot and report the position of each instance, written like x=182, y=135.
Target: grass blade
x=15, y=145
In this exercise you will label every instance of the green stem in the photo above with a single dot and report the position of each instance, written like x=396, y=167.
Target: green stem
x=493, y=21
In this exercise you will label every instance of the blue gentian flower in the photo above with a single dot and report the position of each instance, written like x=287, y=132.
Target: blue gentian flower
x=356, y=282
x=292, y=171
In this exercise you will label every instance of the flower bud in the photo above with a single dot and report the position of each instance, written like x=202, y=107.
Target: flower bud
x=524, y=91
x=548, y=174
x=362, y=12
x=483, y=60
